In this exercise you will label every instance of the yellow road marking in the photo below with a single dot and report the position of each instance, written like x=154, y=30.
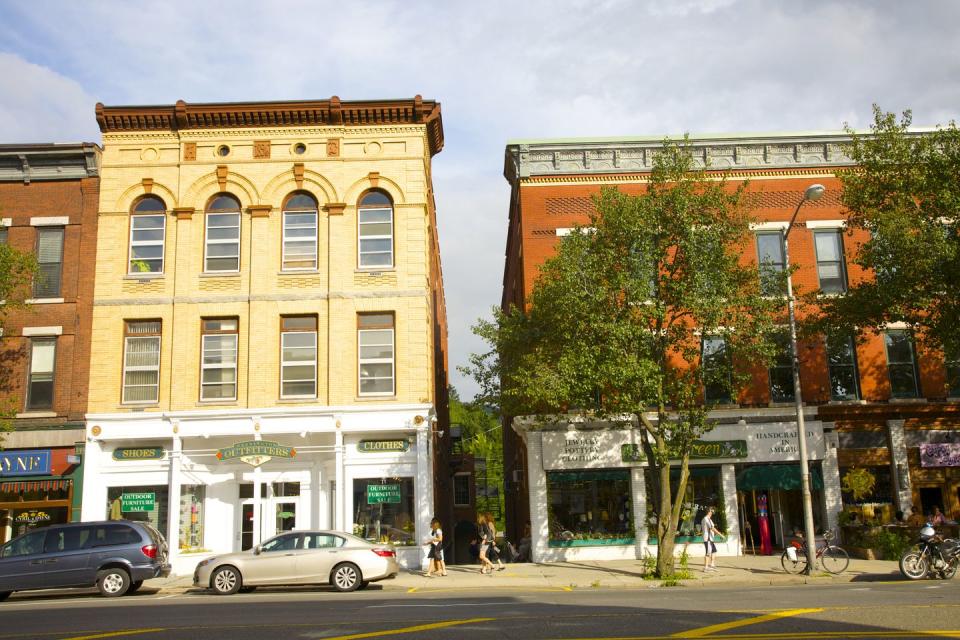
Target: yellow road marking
x=115, y=634
x=805, y=635
x=412, y=590
x=724, y=626
x=418, y=628
x=568, y=588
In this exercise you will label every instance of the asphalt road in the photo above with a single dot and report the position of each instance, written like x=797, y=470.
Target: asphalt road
x=876, y=610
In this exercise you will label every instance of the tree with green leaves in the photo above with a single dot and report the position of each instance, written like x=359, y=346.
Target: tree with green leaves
x=16, y=277
x=481, y=436
x=615, y=324
x=905, y=193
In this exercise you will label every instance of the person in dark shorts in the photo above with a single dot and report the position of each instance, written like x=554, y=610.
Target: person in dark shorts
x=710, y=549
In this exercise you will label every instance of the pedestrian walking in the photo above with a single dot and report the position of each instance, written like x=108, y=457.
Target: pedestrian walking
x=494, y=553
x=483, y=535
x=435, y=554
x=710, y=549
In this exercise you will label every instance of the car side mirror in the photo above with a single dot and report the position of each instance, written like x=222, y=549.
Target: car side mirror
x=257, y=549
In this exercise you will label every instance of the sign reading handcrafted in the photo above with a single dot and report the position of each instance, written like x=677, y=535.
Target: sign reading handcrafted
x=940, y=455
x=383, y=493
x=699, y=450
x=138, y=453
x=145, y=501
x=256, y=452
x=25, y=463
x=32, y=517
x=383, y=446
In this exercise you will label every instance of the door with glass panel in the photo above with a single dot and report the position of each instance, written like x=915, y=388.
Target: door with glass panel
x=279, y=502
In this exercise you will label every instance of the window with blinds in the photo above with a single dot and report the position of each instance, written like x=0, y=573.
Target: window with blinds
x=376, y=350
x=147, y=231
x=43, y=358
x=375, y=231
x=218, y=368
x=141, y=361
x=831, y=267
x=298, y=357
x=222, y=247
x=299, y=233
x=46, y=282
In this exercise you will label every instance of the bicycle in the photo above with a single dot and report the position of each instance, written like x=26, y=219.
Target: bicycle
x=832, y=558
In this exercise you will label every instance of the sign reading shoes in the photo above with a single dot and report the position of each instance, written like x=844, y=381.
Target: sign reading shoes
x=256, y=452
x=138, y=453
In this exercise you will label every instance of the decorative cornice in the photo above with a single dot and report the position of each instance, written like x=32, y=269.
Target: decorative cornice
x=183, y=213
x=245, y=115
x=334, y=208
x=26, y=162
x=259, y=210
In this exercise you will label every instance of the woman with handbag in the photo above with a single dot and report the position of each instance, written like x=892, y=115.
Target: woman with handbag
x=494, y=552
x=483, y=534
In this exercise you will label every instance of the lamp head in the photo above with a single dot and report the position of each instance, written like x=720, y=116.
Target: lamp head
x=814, y=192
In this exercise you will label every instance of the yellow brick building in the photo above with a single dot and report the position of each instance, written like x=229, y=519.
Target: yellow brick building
x=267, y=273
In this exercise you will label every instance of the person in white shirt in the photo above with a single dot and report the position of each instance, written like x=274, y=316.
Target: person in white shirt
x=710, y=549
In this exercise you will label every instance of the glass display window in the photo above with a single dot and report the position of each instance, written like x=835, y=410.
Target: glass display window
x=589, y=507
x=143, y=504
x=383, y=510
x=704, y=489
x=191, y=517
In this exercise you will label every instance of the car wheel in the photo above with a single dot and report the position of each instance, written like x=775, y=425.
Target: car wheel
x=363, y=585
x=4, y=595
x=113, y=582
x=226, y=581
x=134, y=586
x=346, y=577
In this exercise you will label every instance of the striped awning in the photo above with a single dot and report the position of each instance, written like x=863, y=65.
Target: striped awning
x=34, y=485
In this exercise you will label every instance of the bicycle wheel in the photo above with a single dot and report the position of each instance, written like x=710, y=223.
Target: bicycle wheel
x=794, y=566
x=834, y=560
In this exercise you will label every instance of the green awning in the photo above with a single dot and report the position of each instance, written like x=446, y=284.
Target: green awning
x=775, y=476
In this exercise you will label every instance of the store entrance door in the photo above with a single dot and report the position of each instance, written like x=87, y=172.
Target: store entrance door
x=279, y=504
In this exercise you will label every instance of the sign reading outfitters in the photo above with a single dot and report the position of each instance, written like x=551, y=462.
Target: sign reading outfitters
x=256, y=452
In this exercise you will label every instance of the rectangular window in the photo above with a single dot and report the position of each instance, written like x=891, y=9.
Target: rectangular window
x=842, y=363
x=218, y=369
x=147, y=233
x=831, y=267
x=156, y=517
x=716, y=370
x=704, y=489
x=141, y=361
x=43, y=358
x=3, y=234
x=46, y=283
x=771, y=259
x=953, y=374
x=589, y=507
x=461, y=490
x=781, y=370
x=383, y=510
x=299, y=240
x=901, y=364
x=375, y=337
x=223, y=242
x=376, y=237
x=191, y=516
x=298, y=357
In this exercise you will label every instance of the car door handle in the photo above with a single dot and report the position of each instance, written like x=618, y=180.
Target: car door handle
x=289, y=554
x=36, y=562
x=52, y=561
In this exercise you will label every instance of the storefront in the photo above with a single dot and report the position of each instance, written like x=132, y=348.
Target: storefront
x=935, y=476
x=589, y=484
x=37, y=488
x=215, y=485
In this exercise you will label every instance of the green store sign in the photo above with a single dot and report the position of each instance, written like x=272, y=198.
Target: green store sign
x=383, y=494
x=256, y=452
x=383, y=446
x=138, y=453
x=700, y=450
x=145, y=501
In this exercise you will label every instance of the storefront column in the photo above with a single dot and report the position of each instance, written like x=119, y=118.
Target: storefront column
x=423, y=488
x=899, y=467
x=94, y=505
x=731, y=511
x=638, y=487
x=257, y=507
x=830, y=467
x=340, y=496
x=537, y=484
x=173, y=497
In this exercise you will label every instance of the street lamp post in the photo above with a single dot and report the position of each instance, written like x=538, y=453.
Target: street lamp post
x=812, y=193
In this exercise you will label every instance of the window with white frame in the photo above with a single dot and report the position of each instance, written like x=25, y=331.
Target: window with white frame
x=771, y=260
x=218, y=368
x=298, y=357
x=375, y=230
x=141, y=361
x=299, y=233
x=461, y=490
x=148, y=222
x=375, y=334
x=46, y=282
x=43, y=359
x=842, y=365
x=831, y=267
x=901, y=364
x=222, y=247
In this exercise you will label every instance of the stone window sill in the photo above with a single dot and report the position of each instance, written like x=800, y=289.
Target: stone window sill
x=43, y=301
x=303, y=272
x=391, y=398
x=136, y=407
x=218, y=274
x=142, y=277
x=37, y=414
x=303, y=400
x=376, y=271
x=907, y=400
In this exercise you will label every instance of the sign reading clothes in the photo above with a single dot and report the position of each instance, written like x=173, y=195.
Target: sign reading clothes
x=940, y=455
x=383, y=494
x=143, y=501
x=25, y=463
x=383, y=446
x=256, y=452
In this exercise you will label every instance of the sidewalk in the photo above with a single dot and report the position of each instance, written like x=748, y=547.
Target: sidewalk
x=744, y=570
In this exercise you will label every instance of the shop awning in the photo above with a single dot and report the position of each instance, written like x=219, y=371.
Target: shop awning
x=34, y=485
x=775, y=476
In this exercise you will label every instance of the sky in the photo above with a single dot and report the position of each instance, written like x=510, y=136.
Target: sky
x=501, y=70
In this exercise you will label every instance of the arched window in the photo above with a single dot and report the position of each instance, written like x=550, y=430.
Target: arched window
x=222, y=249
x=148, y=226
x=299, y=233
x=375, y=230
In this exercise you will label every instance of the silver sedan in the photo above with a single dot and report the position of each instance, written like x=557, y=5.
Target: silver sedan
x=300, y=557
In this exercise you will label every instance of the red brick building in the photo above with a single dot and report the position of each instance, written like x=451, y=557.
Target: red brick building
x=49, y=196
x=883, y=404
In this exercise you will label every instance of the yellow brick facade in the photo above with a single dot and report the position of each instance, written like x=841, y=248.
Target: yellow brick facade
x=340, y=163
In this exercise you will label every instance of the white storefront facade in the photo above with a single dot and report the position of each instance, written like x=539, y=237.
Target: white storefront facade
x=226, y=482
x=588, y=486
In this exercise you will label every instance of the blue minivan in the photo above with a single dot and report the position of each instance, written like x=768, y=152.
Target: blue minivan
x=116, y=556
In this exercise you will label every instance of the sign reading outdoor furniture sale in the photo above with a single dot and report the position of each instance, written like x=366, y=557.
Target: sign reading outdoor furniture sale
x=146, y=501
x=383, y=493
